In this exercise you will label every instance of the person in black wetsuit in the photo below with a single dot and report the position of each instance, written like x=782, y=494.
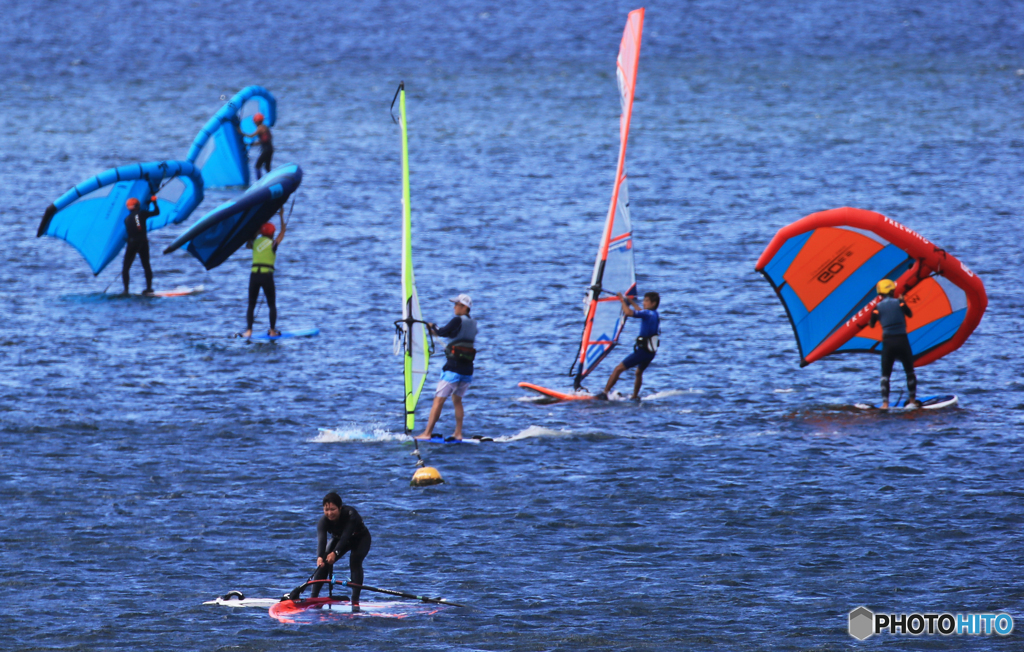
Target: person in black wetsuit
x=138, y=242
x=264, y=255
x=348, y=534
x=266, y=140
x=892, y=312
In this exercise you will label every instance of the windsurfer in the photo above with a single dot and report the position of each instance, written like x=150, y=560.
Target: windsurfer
x=457, y=373
x=892, y=312
x=646, y=346
x=348, y=534
x=138, y=242
x=266, y=140
x=264, y=254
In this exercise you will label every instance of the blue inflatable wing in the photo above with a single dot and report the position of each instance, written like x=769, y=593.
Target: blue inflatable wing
x=219, y=233
x=219, y=150
x=90, y=217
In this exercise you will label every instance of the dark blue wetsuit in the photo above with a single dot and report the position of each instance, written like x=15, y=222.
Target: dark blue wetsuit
x=138, y=243
x=348, y=533
x=646, y=346
x=893, y=313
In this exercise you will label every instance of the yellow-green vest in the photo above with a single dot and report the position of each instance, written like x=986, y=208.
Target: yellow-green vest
x=263, y=255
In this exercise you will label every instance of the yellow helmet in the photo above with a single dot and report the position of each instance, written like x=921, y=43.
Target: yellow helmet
x=885, y=286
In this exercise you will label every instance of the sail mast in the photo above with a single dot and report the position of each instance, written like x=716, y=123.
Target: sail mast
x=614, y=271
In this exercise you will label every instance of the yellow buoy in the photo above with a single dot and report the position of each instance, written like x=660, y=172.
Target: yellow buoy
x=426, y=476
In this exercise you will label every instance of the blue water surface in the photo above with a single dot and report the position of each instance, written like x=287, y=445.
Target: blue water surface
x=148, y=462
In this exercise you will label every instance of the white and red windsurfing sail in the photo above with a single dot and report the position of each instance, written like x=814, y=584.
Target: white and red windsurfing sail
x=824, y=268
x=614, y=271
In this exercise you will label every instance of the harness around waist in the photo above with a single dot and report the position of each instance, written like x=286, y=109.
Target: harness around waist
x=460, y=351
x=648, y=343
x=263, y=269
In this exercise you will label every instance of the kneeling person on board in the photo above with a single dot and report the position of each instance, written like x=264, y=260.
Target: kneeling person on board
x=457, y=373
x=266, y=140
x=264, y=254
x=646, y=344
x=348, y=534
x=138, y=241
x=893, y=311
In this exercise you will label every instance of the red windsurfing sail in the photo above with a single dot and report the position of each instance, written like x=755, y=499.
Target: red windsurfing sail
x=824, y=268
x=614, y=271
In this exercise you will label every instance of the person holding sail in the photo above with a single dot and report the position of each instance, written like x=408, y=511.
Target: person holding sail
x=646, y=346
x=138, y=241
x=266, y=140
x=348, y=534
x=264, y=255
x=457, y=373
x=892, y=312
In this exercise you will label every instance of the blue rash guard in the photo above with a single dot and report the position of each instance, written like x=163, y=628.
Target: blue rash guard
x=650, y=325
x=650, y=322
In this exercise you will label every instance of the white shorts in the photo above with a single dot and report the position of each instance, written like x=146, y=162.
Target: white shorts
x=452, y=384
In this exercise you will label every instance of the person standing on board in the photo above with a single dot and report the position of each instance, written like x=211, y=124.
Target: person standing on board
x=266, y=140
x=457, y=373
x=264, y=254
x=348, y=534
x=646, y=344
x=892, y=312
x=138, y=241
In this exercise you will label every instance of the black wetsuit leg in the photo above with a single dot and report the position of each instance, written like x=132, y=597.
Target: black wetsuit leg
x=129, y=257
x=254, y=293
x=357, y=549
x=270, y=292
x=322, y=573
x=897, y=347
x=266, y=155
x=144, y=258
x=264, y=281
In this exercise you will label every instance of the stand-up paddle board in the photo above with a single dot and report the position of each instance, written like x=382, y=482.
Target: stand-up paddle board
x=180, y=291
x=926, y=403
x=236, y=599
x=263, y=337
x=441, y=439
x=319, y=610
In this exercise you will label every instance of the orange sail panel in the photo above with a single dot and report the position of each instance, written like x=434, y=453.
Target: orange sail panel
x=614, y=271
x=824, y=268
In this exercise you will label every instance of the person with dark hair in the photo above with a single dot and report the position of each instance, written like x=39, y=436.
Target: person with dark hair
x=348, y=534
x=138, y=241
x=264, y=254
x=893, y=311
x=266, y=140
x=457, y=373
x=646, y=345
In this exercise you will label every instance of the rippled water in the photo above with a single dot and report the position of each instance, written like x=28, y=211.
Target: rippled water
x=149, y=462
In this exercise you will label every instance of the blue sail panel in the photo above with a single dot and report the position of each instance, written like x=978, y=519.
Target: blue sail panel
x=90, y=216
x=220, y=150
x=223, y=158
x=222, y=231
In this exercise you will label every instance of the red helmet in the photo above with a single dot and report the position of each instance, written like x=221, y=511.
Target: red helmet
x=132, y=203
x=258, y=118
x=267, y=229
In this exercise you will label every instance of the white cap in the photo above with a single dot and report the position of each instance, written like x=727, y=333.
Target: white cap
x=463, y=299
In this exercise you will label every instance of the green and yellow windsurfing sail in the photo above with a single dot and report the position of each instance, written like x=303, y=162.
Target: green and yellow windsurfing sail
x=414, y=338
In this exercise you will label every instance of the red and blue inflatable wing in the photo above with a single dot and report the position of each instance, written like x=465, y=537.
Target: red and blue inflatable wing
x=824, y=268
